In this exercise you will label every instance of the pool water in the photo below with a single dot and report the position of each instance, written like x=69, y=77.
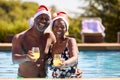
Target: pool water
x=99, y=64
x=94, y=64
x=7, y=68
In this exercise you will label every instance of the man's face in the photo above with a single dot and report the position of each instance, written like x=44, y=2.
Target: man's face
x=42, y=22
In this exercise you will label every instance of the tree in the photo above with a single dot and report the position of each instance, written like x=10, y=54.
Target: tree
x=14, y=16
x=74, y=28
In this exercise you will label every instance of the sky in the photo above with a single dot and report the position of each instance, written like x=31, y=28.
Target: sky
x=70, y=6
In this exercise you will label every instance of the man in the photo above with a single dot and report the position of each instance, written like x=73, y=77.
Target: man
x=37, y=36
x=33, y=37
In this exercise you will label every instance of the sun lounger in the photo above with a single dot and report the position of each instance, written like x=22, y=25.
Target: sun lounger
x=92, y=31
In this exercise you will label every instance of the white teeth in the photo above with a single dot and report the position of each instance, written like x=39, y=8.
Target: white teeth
x=58, y=32
x=41, y=24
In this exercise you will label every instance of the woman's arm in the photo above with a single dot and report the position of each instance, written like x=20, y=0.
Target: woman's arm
x=73, y=50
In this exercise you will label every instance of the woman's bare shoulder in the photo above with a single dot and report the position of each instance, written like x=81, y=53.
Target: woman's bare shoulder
x=71, y=39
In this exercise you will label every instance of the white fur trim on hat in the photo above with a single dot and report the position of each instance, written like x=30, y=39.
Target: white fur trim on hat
x=41, y=12
x=67, y=24
x=31, y=22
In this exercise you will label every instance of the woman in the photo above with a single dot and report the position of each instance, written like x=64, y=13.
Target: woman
x=64, y=51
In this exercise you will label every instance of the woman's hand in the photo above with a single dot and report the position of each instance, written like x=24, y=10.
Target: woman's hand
x=65, y=64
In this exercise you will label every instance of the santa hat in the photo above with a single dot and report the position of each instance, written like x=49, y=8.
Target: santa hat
x=42, y=9
x=63, y=16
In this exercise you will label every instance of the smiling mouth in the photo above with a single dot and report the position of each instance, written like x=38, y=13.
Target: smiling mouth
x=58, y=33
x=41, y=25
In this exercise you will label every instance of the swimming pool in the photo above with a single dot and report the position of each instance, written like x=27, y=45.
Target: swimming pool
x=94, y=64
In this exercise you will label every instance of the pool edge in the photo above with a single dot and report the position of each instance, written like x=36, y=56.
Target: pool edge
x=81, y=46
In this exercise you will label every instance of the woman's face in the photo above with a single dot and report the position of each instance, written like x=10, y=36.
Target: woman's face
x=42, y=21
x=59, y=28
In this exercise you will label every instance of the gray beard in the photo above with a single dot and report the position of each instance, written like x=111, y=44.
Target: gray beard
x=40, y=30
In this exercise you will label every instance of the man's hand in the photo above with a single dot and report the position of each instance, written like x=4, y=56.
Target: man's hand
x=78, y=73
x=31, y=56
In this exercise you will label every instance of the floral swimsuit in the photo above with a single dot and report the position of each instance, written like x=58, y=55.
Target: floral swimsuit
x=67, y=72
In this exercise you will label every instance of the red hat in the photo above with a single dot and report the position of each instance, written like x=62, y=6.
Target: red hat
x=42, y=9
x=62, y=15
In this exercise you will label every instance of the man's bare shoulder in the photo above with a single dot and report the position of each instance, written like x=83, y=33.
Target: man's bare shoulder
x=51, y=35
x=49, y=32
x=18, y=36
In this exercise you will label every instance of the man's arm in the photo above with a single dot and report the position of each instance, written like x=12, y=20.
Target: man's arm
x=17, y=55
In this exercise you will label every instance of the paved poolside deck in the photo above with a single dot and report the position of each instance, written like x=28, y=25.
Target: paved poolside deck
x=81, y=46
